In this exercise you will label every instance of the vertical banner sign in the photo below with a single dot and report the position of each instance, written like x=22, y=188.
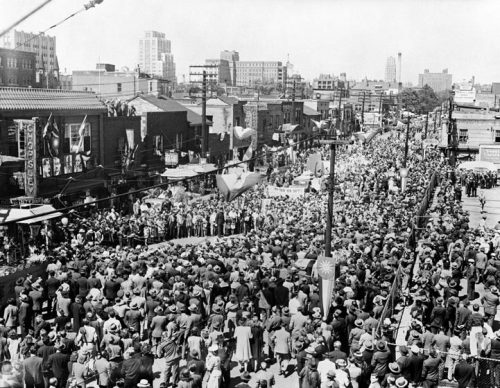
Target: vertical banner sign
x=144, y=125
x=326, y=272
x=31, y=165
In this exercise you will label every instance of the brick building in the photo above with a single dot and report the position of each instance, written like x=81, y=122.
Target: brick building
x=17, y=68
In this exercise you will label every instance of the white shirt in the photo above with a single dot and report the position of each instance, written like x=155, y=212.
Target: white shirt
x=325, y=366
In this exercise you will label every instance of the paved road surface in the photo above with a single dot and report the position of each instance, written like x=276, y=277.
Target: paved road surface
x=492, y=207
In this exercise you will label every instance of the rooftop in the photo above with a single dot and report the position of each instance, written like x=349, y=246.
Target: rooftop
x=168, y=105
x=30, y=99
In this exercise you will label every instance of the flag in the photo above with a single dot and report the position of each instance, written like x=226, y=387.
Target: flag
x=47, y=126
x=81, y=133
x=242, y=133
x=248, y=153
x=233, y=185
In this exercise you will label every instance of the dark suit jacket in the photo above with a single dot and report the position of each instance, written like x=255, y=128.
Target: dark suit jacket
x=58, y=365
x=464, y=373
x=33, y=370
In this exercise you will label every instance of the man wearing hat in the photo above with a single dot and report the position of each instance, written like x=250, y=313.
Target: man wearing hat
x=430, y=370
x=394, y=372
x=380, y=361
x=415, y=365
x=490, y=301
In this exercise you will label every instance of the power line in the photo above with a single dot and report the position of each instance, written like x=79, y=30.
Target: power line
x=157, y=186
x=86, y=7
x=29, y=14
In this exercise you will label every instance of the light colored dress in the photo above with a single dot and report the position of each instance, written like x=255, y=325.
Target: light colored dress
x=213, y=367
x=243, y=350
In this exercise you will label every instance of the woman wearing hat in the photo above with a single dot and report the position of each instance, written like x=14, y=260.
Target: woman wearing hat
x=213, y=367
x=243, y=334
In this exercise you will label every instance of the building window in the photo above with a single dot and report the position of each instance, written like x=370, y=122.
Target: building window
x=497, y=136
x=118, y=87
x=72, y=141
x=463, y=136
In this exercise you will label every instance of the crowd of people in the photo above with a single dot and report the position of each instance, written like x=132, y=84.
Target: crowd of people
x=238, y=311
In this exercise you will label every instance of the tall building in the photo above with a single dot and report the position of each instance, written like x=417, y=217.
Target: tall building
x=231, y=57
x=155, y=56
x=390, y=70
x=251, y=73
x=437, y=81
x=44, y=47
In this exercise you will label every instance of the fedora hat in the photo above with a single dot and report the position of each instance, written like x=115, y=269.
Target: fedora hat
x=143, y=384
x=394, y=368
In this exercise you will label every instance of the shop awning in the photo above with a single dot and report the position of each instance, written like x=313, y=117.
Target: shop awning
x=178, y=173
x=291, y=128
x=38, y=213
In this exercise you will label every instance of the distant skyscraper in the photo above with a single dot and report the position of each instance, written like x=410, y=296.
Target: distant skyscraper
x=155, y=56
x=390, y=70
x=231, y=56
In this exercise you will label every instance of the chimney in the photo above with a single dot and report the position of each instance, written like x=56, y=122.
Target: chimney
x=399, y=68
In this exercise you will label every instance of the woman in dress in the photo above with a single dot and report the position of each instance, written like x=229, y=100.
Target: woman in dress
x=213, y=367
x=243, y=334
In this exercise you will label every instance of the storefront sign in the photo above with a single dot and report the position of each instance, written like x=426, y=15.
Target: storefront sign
x=291, y=192
x=31, y=173
x=171, y=158
x=489, y=154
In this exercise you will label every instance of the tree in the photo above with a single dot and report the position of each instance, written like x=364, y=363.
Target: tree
x=420, y=101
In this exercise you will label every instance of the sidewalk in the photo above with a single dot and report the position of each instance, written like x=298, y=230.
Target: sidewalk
x=492, y=207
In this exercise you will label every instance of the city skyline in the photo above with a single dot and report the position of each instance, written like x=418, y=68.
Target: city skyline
x=364, y=34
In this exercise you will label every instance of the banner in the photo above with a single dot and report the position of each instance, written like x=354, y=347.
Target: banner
x=326, y=272
x=292, y=192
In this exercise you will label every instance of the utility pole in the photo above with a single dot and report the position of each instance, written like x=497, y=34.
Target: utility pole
x=204, y=128
x=452, y=130
x=406, y=141
x=331, y=191
x=340, y=113
x=380, y=108
x=292, y=121
x=426, y=124
x=363, y=110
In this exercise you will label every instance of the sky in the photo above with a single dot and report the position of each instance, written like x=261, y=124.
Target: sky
x=320, y=36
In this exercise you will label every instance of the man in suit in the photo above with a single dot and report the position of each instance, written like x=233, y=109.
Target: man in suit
x=219, y=220
x=32, y=370
x=57, y=364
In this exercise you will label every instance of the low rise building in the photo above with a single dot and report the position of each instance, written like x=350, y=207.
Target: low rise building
x=109, y=84
x=55, y=152
x=437, y=81
x=17, y=68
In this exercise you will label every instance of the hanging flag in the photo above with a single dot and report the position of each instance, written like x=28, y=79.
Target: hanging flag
x=47, y=126
x=233, y=185
x=81, y=133
x=243, y=133
x=326, y=272
x=130, y=139
x=248, y=153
